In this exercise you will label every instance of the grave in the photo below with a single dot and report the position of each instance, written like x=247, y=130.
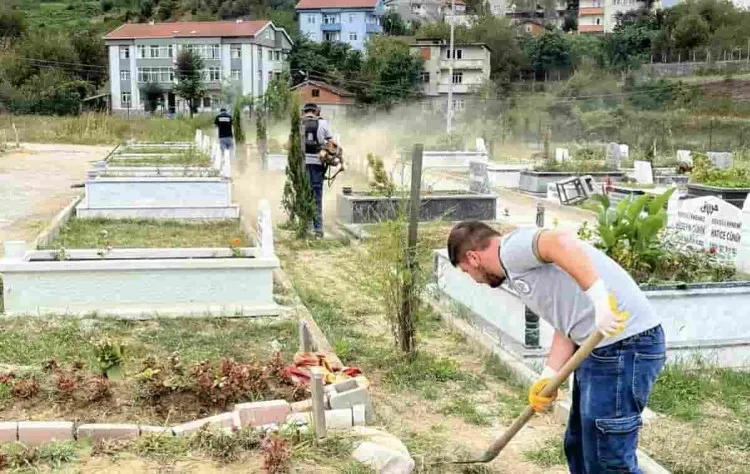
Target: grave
x=137, y=283
x=643, y=172
x=734, y=196
x=614, y=155
x=721, y=160
x=708, y=223
x=536, y=182
x=479, y=179
x=685, y=156
x=562, y=155
x=456, y=160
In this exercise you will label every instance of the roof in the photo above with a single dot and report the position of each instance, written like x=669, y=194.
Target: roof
x=315, y=4
x=323, y=85
x=197, y=29
x=444, y=43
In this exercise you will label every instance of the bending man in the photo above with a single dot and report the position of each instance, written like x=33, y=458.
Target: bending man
x=570, y=284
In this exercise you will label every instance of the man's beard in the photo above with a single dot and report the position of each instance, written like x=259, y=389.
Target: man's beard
x=494, y=281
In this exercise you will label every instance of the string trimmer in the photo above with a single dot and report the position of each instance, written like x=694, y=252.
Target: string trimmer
x=572, y=364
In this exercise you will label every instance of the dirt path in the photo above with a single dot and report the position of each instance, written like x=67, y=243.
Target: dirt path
x=35, y=185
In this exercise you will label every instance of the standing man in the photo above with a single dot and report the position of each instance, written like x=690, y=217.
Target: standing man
x=317, y=134
x=577, y=289
x=223, y=123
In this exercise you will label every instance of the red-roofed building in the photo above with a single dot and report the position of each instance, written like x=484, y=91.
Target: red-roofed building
x=347, y=21
x=246, y=54
x=333, y=102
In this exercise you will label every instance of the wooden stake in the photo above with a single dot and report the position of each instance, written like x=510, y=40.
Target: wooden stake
x=318, y=411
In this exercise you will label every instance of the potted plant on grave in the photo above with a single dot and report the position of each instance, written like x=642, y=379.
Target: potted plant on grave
x=731, y=185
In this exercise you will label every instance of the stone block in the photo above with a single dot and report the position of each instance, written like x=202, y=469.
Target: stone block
x=344, y=386
x=9, y=432
x=224, y=421
x=156, y=430
x=299, y=418
x=339, y=419
x=358, y=396
x=35, y=433
x=304, y=405
x=262, y=413
x=359, y=415
x=107, y=431
x=383, y=459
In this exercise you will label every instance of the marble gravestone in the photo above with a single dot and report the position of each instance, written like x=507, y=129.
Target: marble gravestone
x=709, y=223
x=613, y=155
x=721, y=160
x=643, y=172
x=479, y=178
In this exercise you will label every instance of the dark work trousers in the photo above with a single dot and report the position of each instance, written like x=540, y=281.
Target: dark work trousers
x=316, y=174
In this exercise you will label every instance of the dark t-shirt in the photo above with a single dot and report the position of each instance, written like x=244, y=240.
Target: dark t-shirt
x=224, y=123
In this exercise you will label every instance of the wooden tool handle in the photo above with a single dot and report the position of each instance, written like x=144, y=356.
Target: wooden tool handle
x=571, y=365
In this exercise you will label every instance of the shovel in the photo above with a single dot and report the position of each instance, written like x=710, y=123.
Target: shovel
x=572, y=364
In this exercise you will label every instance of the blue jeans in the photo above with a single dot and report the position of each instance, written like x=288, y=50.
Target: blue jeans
x=226, y=143
x=316, y=174
x=610, y=391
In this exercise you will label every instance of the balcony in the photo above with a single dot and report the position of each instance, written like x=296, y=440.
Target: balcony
x=330, y=27
x=457, y=88
x=591, y=11
x=374, y=28
x=475, y=64
x=591, y=28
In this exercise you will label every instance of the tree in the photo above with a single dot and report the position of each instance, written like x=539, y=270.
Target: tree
x=390, y=72
x=393, y=24
x=278, y=97
x=166, y=9
x=691, y=32
x=189, y=74
x=147, y=9
x=237, y=130
x=298, y=201
x=549, y=52
x=152, y=94
x=92, y=52
x=12, y=24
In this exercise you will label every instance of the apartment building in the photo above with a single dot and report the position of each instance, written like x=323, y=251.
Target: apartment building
x=243, y=54
x=599, y=16
x=347, y=21
x=471, y=68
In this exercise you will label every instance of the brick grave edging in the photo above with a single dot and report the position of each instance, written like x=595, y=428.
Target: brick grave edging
x=348, y=404
x=523, y=373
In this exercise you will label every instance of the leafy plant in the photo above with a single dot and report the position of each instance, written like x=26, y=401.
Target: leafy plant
x=381, y=182
x=298, y=201
x=277, y=455
x=110, y=356
x=705, y=173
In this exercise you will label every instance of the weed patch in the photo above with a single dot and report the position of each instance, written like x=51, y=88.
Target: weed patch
x=467, y=410
x=550, y=454
x=161, y=447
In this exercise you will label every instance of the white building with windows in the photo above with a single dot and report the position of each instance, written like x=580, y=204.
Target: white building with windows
x=245, y=54
x=471, y=69
x=600, y=16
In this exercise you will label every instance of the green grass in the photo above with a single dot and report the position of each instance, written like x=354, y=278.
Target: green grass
x=683, y=388
x=103, y=129
x=29, y=342
x=89, y=233
x=549, y=455
x=467, y=410
x=50, y=456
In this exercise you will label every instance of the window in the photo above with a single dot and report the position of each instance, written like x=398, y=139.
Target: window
x=330, y=19
x=352, y=36
x=459, y=105
x=316, y=92
x=416, y=8
x=155, y=74
x=351, y=18
x=125, y=97
x=207, y=102
x=458, y=77
x=597, y=21
x=260, y=53
x=270, y=76
x=124, y=75
x=311, y=19
x=214, y=74
x=424, y=77
x=236, y=75
x=458, y=53
x=214, y=52
x=277, y=55
x=331, y=36
x=235, y=52
x=154, y=51
x=528, y=28
x=141, y=51
x=124, y=52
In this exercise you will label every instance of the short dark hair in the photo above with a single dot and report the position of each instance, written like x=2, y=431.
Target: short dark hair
x=310, y=107
x=223, y=109
x=466, y=236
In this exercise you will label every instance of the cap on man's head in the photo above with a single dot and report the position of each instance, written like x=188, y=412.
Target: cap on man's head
x=310, y=107
x=223, y=109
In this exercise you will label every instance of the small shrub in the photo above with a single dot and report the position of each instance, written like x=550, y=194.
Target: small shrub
x=58, y=452
x=381, y=182
x=110, y=355
x=277, y=455
x=66, y=384
x=26, y=388
x=223, y=446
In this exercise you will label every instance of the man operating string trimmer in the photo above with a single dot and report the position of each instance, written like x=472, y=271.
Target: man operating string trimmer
x=578, y=290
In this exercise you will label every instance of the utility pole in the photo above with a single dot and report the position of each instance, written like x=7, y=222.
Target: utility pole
x=452, y=53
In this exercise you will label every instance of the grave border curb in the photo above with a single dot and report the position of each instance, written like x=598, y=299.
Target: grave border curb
x=52, y=230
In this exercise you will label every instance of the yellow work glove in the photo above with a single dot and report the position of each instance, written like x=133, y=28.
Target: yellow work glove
x=536, y=401
x=609, y=321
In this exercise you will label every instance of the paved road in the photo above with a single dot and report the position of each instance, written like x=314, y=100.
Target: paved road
x=35, y=185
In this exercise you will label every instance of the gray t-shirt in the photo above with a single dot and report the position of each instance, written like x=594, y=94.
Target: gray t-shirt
x=557, y=298
x=324, y=134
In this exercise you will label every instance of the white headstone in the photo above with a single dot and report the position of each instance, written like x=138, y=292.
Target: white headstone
x=481, y=146
x=721, y=160
x=206, y=144
x=216, y=157
x=643, y=172
x=479, y=178
x=685, y=156
x=265, y=229
x=198, y=138
x=613, y=155
x=743, y=254
x=709, y=222
x=14, y=249
x=562, y=155
x=552, y=194
x=624, y=151
x=226, y=167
